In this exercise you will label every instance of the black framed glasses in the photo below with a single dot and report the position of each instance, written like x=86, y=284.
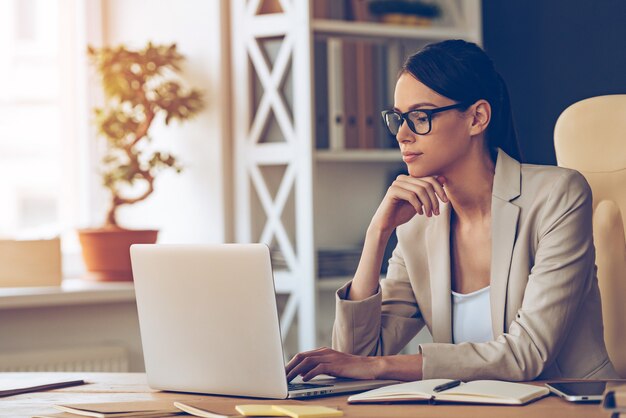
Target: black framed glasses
x=420, y=121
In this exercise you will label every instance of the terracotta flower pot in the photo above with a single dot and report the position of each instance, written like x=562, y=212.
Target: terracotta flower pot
x=106, y=251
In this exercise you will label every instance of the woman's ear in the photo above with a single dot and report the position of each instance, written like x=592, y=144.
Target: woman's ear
x=481, y=115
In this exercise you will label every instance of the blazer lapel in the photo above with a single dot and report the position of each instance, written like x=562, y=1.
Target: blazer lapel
x=504, y=217
x=438, y=252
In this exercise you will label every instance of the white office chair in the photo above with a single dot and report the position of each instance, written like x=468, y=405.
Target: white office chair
x=590, y=136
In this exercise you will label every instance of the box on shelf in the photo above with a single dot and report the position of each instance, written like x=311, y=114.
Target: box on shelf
x=30, y=263
x=331, y=262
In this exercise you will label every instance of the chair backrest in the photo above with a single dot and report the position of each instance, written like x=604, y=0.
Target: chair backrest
x=590, y=137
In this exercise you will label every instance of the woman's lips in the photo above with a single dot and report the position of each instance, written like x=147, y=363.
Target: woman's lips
x=409, y=157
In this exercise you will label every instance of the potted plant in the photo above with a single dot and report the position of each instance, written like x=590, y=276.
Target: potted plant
x=141, y=88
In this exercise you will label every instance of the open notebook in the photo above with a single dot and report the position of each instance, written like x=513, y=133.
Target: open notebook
x=478, y=391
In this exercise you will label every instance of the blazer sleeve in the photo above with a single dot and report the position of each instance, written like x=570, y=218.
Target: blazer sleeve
x=562, y=274
x=383, y=323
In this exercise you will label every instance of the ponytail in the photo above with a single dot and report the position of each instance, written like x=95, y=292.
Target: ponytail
x=501, y=131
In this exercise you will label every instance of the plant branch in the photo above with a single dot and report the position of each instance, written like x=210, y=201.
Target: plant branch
x=132, y=79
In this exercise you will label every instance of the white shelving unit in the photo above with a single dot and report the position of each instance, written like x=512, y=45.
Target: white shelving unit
x=392, y=156
x=290, y=195
x=365, y=30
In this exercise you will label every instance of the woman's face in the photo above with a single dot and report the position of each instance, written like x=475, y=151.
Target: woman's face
x=450, y=136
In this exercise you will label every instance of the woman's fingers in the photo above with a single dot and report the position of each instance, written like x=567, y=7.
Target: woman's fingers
x=437, y=184
x=295, y=365
x=409, y=196
x=333, y=363
x=306, y=365
x=321, y=368
x=429, y=190
x=428, y=196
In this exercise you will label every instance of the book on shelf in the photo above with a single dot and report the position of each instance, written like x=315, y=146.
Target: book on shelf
x=405, y=12
x=338, y=262
x=331, y=262
x=478, y=391
x=278, y=259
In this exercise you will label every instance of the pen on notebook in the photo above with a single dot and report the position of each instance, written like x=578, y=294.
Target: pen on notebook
x=446, y=386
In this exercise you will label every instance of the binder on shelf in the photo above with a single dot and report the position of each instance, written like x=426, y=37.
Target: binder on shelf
x=357, y=86
x=350, y=95
x=337, y=9
x=336, y=127
x=321, y=9
x=359, y=11
x=321, y=95
x=329, y=9
x=366, y=94
x=392, y=56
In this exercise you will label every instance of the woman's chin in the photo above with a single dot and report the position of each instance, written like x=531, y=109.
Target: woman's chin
x=418, y=172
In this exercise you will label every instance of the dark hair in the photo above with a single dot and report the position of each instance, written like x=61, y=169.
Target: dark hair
x=462, y=71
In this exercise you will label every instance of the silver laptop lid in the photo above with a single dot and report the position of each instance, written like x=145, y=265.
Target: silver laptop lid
x=208, y=319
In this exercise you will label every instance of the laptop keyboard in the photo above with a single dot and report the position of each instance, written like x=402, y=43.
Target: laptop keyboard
x=301, y=386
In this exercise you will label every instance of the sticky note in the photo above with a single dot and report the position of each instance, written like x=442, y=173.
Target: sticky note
x=307, y=411
x=257, y=411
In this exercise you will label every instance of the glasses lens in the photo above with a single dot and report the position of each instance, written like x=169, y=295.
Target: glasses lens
x=420, y=122
x=393, y=121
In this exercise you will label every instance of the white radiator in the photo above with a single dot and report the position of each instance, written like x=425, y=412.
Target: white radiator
x=75, y=359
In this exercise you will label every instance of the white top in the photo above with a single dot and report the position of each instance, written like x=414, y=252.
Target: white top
x=471, y=317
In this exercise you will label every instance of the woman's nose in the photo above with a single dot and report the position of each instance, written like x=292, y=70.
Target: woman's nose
x=405, y=135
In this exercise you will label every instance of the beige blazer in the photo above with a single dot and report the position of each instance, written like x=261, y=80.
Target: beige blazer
x=545, y=304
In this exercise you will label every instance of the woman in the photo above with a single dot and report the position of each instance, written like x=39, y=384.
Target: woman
x=495, y=257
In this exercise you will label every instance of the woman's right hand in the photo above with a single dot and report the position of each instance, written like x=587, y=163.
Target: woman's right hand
x=406, y=197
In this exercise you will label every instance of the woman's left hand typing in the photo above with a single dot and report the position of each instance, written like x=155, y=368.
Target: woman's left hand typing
x=333, y=363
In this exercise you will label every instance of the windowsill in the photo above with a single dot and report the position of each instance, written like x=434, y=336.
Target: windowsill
x=71, y=292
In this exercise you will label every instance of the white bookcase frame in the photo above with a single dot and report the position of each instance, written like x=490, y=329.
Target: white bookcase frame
x=294, y=24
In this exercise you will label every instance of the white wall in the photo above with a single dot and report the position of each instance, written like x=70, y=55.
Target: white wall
x=194, y=206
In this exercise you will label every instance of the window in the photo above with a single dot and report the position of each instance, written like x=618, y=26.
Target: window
x=40, y=155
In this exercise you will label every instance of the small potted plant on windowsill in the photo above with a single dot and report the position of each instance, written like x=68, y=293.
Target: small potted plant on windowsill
x=140, y=87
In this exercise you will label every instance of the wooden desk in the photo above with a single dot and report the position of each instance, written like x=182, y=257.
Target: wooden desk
x=111, y=387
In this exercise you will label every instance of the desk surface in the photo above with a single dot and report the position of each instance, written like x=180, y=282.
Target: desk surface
x=119, y=387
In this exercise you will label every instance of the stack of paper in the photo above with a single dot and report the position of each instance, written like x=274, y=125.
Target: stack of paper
x=141, y=409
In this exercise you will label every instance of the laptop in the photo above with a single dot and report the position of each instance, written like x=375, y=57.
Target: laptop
x=209, y=323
